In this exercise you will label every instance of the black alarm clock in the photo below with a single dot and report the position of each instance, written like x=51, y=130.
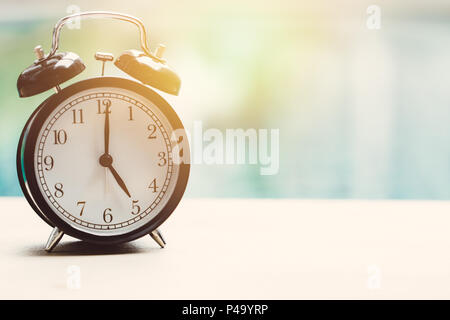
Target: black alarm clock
x=106, y=159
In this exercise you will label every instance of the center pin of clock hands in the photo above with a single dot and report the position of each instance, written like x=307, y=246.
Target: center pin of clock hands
x=106, y=160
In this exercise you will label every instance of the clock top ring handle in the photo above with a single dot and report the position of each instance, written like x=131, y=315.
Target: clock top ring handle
x=102, y=15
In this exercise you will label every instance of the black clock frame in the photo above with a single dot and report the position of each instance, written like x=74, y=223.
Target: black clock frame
x=26, y=153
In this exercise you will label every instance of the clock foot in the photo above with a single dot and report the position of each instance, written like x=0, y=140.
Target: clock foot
x=157, y=236
x=53, y=240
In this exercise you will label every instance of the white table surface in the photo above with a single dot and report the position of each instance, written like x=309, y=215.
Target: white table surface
x=242, y=249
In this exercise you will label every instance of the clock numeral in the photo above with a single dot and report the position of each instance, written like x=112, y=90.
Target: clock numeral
x=83, y=204
x=58, y=190
x=152, y=129
x=77, y=116
x=130, y=114
x=162, y=159
x=136, y=209
x=106, y=103
x=60, y=136
x=107, y=216
x=48, y=161
x=153, y=186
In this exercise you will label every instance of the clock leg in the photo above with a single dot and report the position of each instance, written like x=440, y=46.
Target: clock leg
x=157, y=236
x=54, y=238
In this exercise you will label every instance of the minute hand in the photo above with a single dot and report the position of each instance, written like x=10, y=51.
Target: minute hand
x=119, y=180
x=107, y=129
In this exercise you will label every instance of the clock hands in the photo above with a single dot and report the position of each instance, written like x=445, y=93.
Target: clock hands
x=107, y=128
x=106, y=160
x=119, y=180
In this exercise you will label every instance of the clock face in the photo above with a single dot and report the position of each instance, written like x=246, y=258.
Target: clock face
x=103, y=160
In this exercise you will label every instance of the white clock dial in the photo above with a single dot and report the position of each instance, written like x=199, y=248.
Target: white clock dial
x=79, y=188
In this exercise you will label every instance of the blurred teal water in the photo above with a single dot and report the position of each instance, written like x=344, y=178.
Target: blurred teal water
x=361, y=113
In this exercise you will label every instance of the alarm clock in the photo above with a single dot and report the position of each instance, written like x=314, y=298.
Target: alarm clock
x=106, y=159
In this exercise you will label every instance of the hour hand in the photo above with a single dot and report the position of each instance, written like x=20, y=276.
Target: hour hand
x=106, y=161
x=119, y=180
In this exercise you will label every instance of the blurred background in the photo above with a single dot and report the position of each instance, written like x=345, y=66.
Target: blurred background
x=362, y=112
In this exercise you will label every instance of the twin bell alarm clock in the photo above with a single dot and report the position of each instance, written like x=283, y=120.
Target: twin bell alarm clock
x=106, y=159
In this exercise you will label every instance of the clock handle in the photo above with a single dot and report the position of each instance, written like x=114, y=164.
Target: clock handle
x=103, y=15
